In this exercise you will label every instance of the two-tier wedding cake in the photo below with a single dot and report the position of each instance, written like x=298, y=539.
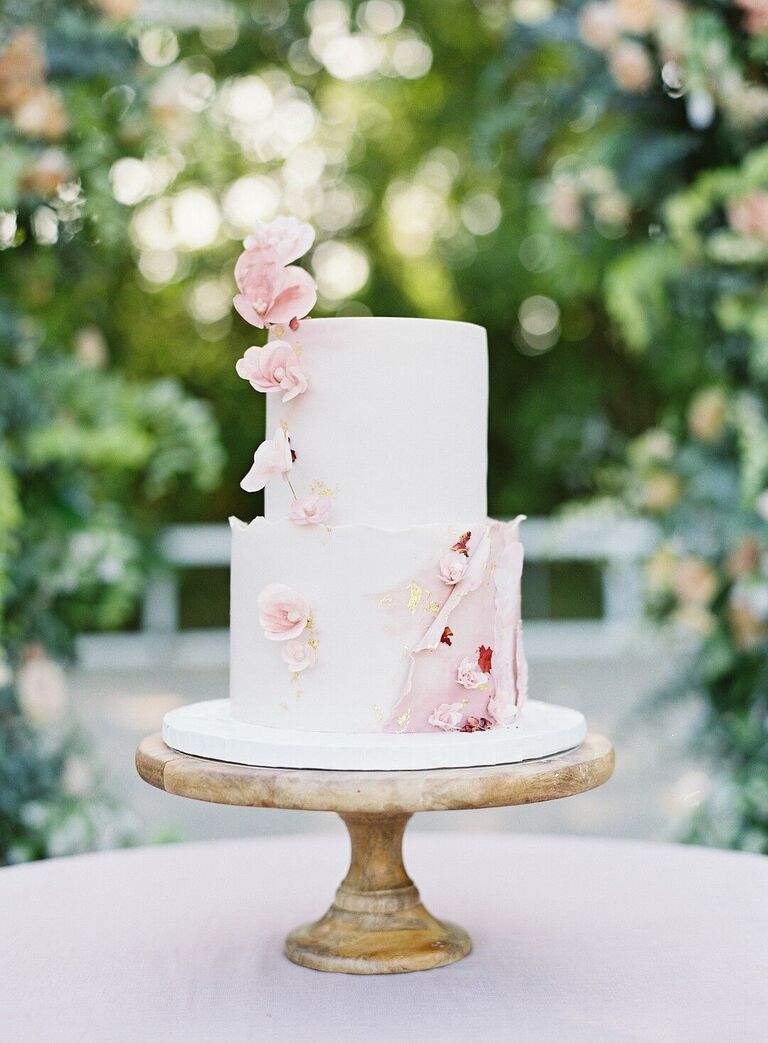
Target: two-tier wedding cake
x=375, y=608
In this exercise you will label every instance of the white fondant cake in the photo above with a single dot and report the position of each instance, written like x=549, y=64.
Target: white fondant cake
x=393, y=421
x=390, y=433
x=375, y=597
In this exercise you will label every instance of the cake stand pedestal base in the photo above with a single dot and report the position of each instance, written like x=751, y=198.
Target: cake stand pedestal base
x=377, y=924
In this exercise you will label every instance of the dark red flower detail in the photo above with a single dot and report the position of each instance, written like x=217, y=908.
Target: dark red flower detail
x=484, y=656
x=445, y=637
x=461, y=544
x=294, y=323
x=476, y=724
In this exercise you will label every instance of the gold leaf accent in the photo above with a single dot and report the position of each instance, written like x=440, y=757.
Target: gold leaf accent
x=386, y=601
x=319, y=488
x=377, y=711
x=433, y=606
x=404, y=720
x=298, y=348
x=313, y=642
x=416, y=593
x=280, y=331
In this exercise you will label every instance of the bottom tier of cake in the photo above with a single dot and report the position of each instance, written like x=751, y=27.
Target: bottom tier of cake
x=208, y=730
x=353, y=629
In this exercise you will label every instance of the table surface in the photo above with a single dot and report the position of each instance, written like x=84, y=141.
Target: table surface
x=574, y=939
x=434, y=789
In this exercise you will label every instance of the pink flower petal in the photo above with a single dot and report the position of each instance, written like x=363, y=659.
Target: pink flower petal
x=298, y=382
x=246, y=311
x=287, y=236
x=257, y=266
x=311, y=510
x=283, y=612
x=296, y=298
x=273, y=457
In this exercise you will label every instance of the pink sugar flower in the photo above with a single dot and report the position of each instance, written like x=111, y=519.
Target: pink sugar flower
x=283, y=612
x=270, y=293
x=311, y=510
x=273, y=457
x=447, y=716
x=287, y=237
x=274, y=367
x=500, y=712
x=469, y=674
x=452, y=567
x=298, y=655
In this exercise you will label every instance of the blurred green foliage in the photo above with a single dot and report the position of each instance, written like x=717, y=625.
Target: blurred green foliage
x=89, y=460
x=651, y=133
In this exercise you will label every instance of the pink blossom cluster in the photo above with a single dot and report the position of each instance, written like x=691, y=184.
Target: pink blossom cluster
x=469, y=673
x=285, y=616
x=657, y=41
x=272, y=290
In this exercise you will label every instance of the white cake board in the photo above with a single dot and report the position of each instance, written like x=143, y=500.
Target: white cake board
x=207, y=730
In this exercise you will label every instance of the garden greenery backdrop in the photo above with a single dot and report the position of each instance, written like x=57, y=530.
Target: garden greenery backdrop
x=586, y=180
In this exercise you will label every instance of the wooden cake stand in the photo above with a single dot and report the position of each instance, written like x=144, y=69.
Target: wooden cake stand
x=377, y=923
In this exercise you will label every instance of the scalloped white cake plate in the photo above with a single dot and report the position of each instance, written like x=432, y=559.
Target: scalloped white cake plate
x=207, y=730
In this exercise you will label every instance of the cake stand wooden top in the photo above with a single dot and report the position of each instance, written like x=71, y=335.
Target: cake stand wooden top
x=376, y=792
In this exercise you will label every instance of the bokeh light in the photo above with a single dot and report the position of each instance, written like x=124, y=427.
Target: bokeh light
x=380, y=16
x=131, y=180
x=539, y=319
x=195, y=218
x=249, y=199
x=481, y=213
x=158, y=46
x=210, y=300
x=341, y=269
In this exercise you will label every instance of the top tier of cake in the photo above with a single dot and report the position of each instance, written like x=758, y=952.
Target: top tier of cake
x=394, y=421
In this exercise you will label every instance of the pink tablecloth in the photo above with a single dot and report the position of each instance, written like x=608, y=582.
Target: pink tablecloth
x=575, y=940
